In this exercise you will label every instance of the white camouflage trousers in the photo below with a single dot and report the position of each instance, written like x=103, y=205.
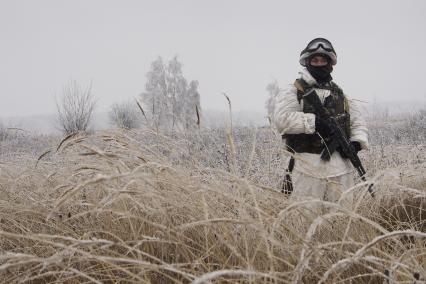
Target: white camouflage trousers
x=328, y=189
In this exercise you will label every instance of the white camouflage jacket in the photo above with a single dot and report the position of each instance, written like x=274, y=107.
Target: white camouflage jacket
x=287, y=117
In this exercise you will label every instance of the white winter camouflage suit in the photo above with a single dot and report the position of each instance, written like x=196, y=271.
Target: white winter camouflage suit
x=313, y=177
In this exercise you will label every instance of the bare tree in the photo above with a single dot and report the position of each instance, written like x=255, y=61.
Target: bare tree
x=75, y=107
x=125, y=115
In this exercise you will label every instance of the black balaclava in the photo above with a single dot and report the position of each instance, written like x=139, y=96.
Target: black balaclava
x=320, y=73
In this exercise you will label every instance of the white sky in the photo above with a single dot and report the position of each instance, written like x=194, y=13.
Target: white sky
x=233, y=46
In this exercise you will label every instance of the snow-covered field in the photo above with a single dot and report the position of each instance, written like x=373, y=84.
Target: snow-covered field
x=145, y=207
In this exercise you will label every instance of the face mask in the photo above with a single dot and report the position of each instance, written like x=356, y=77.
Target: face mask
x=321, y=73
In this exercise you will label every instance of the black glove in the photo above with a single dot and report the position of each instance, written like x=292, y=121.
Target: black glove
x=356, y=146
x=322, y=127
x=312, y=98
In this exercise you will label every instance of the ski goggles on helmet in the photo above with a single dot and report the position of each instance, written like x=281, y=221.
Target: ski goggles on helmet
x=318, y=46
x=318, y=43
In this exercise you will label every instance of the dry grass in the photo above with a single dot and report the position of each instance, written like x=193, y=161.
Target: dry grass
x=113, y=208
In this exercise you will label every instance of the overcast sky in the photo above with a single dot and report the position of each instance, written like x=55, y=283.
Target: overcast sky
x=236, y=47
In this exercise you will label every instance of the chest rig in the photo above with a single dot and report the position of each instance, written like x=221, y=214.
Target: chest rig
x=336, y=104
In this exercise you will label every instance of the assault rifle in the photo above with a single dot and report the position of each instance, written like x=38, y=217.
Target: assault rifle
x=337, y=136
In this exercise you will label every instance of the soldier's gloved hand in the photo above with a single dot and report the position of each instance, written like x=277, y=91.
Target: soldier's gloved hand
x=356, y=146
x=322, y=127
x=312, y=98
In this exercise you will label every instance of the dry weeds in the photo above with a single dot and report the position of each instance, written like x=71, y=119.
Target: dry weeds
x=111, y=207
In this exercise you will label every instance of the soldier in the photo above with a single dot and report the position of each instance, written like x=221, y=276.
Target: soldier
x=307, y=135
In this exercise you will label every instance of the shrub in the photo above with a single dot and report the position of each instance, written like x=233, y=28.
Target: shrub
x=75, y=108
x=125, y=115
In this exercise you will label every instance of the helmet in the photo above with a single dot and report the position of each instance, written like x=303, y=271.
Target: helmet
x=318, y=46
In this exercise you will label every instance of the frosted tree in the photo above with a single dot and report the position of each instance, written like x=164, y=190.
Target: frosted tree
x=155, y=97
x=176, y=89
x=273, y=90
x=169, y=101
x=4, y=134
x=191, y=109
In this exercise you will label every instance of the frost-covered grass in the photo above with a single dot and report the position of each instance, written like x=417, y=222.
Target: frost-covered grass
x=204, y=207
